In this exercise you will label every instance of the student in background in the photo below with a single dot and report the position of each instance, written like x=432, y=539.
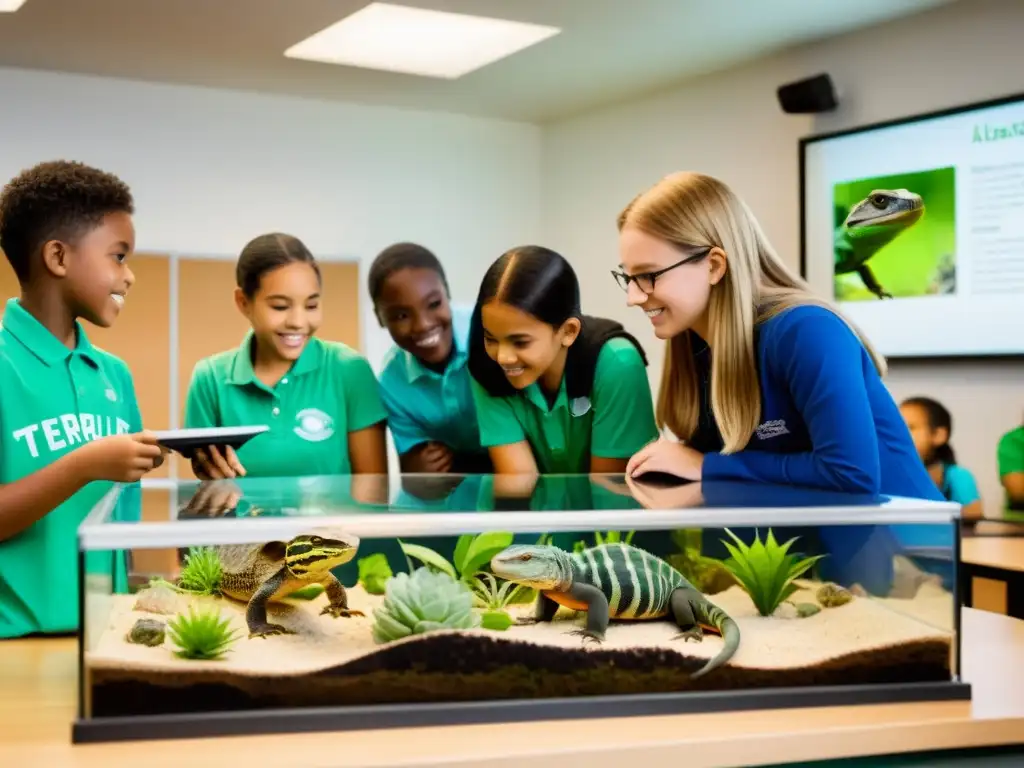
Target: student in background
x=71, y=422
x=931, y=427
x=319, y=397
x=424, y=381
x=555, y=391
x=1010, y=460
x=763, y=381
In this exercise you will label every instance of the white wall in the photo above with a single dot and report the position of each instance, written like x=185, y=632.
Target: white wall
x=730, y=125
x=211, y=169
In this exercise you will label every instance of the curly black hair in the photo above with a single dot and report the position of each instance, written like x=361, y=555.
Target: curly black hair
x=55, y=200
x=401, y=256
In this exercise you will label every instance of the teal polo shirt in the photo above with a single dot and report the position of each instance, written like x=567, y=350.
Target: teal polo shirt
x=426, y=406
x=329, y=392
x=53, y=400
x=615, y=422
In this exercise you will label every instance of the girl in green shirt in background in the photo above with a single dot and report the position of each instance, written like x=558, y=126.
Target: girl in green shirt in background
x=319, y=398
x=556, y=392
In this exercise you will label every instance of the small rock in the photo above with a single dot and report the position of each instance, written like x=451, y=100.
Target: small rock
x=158, y=598
x=147, y=632
x=803, y=610
x=832, y=595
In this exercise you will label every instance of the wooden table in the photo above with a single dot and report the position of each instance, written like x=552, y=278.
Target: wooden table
x=992, y=574
x=37, y=697
x=995, y=527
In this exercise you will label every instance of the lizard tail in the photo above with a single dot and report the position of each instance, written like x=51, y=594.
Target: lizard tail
x=730, y=632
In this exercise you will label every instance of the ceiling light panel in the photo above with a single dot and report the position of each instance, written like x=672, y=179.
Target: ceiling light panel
x=418, y=41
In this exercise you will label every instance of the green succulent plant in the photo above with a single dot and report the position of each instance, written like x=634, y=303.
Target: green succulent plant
x=201, y=572
x=202, y=635
x=766, y=570
x=423, y=601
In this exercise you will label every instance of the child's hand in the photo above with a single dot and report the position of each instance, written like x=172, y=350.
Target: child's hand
x=214, y=499
x=431, y=457
x=210, y=464
x=122, y=458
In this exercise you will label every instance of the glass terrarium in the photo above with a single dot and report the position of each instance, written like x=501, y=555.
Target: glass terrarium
x=270, y=605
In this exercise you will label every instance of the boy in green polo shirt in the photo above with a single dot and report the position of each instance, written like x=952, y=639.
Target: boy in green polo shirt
x=556, y=392
x=69, y=419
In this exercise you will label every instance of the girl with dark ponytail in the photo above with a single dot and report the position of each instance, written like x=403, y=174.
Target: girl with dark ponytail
x=931, y=427
x=556, y=391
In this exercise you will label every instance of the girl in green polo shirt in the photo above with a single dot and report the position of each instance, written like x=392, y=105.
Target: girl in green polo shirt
x=556, y=391
x=318, y=397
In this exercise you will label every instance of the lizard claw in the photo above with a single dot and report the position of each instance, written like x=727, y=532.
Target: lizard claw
x=524, y=621
x=338, y=612
x=266, y=630
x=694, y=633
x=587, y=635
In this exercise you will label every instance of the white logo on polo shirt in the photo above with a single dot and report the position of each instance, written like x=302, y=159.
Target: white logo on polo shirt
x=313, y=425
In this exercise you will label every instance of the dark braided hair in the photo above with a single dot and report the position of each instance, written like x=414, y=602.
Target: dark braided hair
x=401, y=256
x=55, y=200
x=266, y=253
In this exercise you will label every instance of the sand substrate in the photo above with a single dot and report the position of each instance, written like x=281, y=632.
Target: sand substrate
x=332, y=662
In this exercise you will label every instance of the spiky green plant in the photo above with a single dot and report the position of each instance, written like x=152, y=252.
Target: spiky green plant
x=202, y=635
x=494, y=596
x=766, y=570
x=201, y=572
x=424, y=601
x=608, y=537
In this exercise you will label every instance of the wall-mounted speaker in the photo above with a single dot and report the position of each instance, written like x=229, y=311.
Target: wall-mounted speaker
x=812, y=95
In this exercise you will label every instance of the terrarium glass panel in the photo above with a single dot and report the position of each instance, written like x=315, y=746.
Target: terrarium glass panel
x=299, y=593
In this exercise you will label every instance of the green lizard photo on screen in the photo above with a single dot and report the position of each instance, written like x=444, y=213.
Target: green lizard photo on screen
x=895, y=236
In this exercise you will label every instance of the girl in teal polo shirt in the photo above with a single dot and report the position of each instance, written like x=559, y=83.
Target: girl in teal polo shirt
x=424, y=381
x=556, y=392
x=931, y=427
x=318, y=397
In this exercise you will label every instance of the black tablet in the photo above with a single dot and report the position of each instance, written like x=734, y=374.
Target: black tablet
x=185, y=441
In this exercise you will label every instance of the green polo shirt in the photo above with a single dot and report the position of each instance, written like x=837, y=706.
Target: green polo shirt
x=424, y=405
x=329, y=392
x=52, y=401
x=615, y=422
x=1010, y=459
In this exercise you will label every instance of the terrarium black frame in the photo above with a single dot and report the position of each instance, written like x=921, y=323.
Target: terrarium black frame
x=122, y=705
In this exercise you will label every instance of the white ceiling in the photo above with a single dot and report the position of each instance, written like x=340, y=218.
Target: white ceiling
x=609, y=50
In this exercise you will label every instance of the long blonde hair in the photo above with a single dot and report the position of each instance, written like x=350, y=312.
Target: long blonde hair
x=691, y=210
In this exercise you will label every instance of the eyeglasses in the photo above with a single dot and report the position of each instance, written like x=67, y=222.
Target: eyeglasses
x=645, y=280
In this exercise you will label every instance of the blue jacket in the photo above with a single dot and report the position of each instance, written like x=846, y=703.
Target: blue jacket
x=827, y=420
